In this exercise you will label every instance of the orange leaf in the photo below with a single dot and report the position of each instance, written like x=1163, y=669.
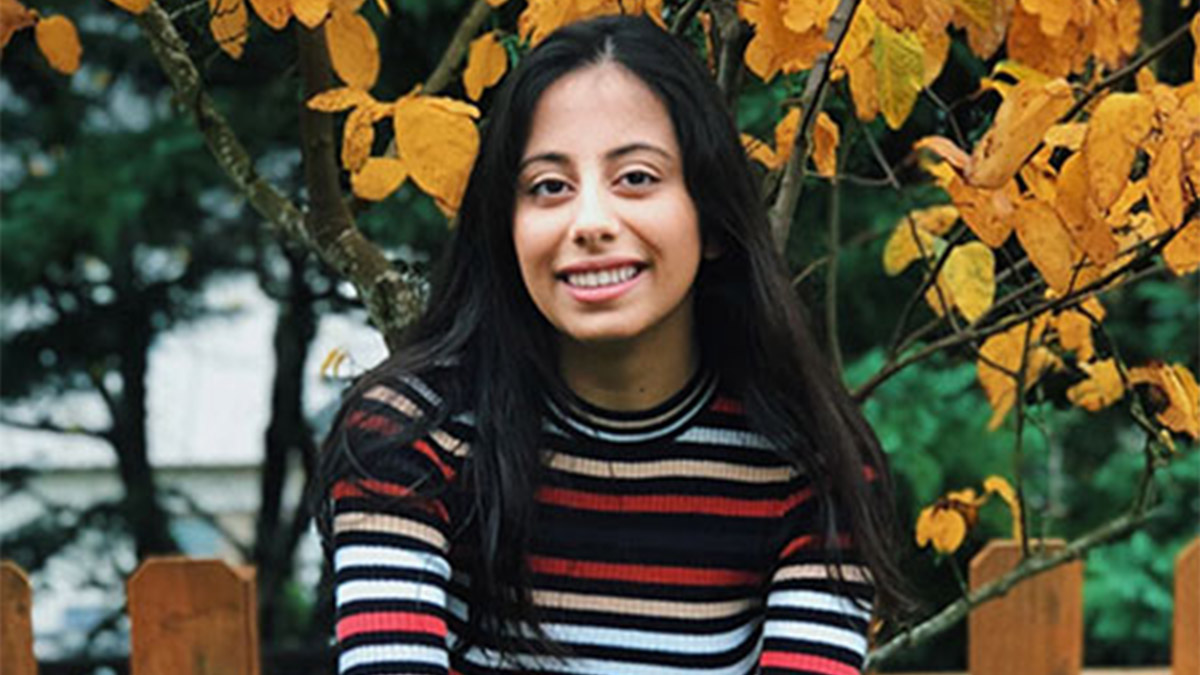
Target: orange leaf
x=1102, y=388
x=274, y=13
x=357, y=137
x=1021, y=121
x=825, y=143
x=900, y=72
x=1195, y=30
x=800, y=16
x=1117, y=126
x=986, y=22
x=946, y=149
x=1069, y=135
x=907, y=243
x=1182, y=396
x=311, y=12
x=132, y=6
x=59, y=41
x=486, y=63
x=438, y=142
x=1053, y=14
x=339, y=99
x=1182, y=253
x=999, y=486
x=774, y=47
x=1074, y=328
x=13, y=17
x=864, y=88
x=969, y=274
x=1166, y=186
x=1004, y=349
x=229, y=25
x=944, y=527
x=989, y=213
x=353, y=48
x=1047, y=242
x=785, y=140
x=378, y=178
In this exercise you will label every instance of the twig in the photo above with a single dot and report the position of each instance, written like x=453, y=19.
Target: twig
x=44, y=424
x=1019, y=435
x=347, y=251
x=733, y=37
x=681, y=21
x=1027, y=568
x=831, y=277
x=456, y=51
x=784, y=208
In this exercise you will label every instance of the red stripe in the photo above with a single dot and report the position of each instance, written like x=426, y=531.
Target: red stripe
x=360, y=419
x=344, y=489
x=429, y=452
x=809, y=541
x=806, y=663
x=724, y=404
x=680, y=576
x=683, y=504
x=380, y=622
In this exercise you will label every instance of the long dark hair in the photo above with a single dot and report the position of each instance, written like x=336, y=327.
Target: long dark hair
x=752, y=330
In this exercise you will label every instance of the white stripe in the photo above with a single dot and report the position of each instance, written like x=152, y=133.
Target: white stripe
x=730, y=437
x=827, y=602
x=582, y=666
x=816, y=632
x=423, y=389
x=372, y=654
x=383, y=556
x=352, y=591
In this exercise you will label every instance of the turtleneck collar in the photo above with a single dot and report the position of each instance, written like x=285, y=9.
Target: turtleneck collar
x=571, y=414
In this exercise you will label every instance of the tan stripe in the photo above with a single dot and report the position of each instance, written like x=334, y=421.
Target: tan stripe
x=670, y=468
x=450, y=444
x=393, y=398
x=855, y=573
x=633, y=606
x=359, y=521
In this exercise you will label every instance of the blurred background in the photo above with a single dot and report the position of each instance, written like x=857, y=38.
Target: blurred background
x=162, y=386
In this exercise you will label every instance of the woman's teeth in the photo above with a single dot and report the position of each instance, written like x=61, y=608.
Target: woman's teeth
x=602, y=278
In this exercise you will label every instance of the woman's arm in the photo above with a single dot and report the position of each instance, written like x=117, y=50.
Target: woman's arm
x=390, y=546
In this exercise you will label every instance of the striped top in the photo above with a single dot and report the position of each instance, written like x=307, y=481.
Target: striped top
x=670, y=541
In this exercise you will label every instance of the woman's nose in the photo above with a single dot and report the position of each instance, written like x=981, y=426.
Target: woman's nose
x=594, y=220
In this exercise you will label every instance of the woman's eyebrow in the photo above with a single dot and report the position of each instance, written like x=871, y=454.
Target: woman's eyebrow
x=615, y=153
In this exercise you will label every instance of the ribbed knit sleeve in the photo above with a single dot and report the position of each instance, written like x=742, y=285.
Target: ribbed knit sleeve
x=390, y=539
x=813, y=623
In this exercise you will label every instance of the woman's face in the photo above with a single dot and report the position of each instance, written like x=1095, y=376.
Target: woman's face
x=607, y=236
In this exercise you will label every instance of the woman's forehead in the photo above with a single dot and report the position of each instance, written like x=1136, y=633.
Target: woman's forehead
x=596, y=110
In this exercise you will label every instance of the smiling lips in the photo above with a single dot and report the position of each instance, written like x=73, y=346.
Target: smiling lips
x=601, y=285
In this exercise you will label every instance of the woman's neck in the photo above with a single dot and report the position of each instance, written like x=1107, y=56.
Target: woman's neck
x=624, y=376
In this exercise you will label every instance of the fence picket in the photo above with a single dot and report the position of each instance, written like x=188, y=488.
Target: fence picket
x=1185, y=636
x=16, y=627
x=1037, y=628
x=193, y=617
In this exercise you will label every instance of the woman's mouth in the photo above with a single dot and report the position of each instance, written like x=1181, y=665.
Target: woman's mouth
x=602, y=285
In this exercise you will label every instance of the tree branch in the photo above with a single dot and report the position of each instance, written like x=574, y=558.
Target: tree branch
x=684, y=17
x=456, y=51
x=732, y=37
x=784, y=208
x=1027, y=568
x=344, y=249
x=45, y=424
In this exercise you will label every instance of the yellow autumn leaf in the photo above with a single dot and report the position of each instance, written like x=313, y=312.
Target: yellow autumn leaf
x=229, y=23
x=357, y=137
x=936, y=42
x=353, y=48
x=378, y=178
x=969, y=274
x=785, y=141
x=858, y=36
x=907, y=243
x=132, y=6
x=1069, y=135
x=1182, y=253
x=13, y=17
x=899, y=72
x=1052, y=14
x=986, y=22
x=1164, y=177
x=989, y=213
x=1102, y=388
x=945, y=528
x=486, y=64
x=824, y=146
x=1195, y=30
x=1005, y=350
x=1074, y=326
x=1020, y=123
x=944, y=148
x=1181, y=395
x=339, y=99
x=1080, y=215
x=437, y=140
x=274, y=13
x=1117, y=127
x=496, y=3
x=864, y=87
x=1000, y=487
x=311, y=12
x=802, y=16
x=59, y=42
x=774, y=47
x=1046, y=240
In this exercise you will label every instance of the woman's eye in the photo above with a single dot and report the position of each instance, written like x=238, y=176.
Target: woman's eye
x=639, y=178
x=548, y=187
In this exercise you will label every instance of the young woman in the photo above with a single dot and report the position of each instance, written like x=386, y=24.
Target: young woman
x=611, y=445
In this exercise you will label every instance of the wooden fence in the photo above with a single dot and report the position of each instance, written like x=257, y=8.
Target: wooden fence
x=198, y=617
